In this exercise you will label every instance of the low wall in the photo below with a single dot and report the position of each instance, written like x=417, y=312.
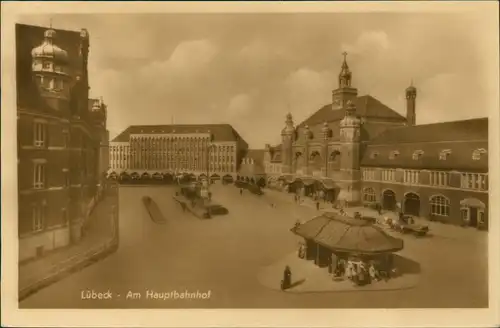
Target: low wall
x=69, y=266
x=49, y=240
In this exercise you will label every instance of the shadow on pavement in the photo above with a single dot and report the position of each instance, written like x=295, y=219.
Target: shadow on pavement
x=405, y=265
x=297, y=283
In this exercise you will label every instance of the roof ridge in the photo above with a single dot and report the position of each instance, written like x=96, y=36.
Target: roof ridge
x=49, y=28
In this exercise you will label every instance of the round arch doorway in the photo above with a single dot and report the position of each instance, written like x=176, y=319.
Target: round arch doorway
x=411, y=204
x=388, y=200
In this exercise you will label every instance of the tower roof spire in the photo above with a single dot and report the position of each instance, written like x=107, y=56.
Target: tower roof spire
x=345, y=73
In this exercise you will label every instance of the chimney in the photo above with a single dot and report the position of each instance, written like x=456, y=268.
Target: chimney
x=411, y=96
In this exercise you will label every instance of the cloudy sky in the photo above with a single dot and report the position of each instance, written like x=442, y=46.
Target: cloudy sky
x=249, y=70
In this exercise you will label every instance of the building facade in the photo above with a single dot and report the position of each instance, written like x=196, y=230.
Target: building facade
x=212, y=150
x=363, y=152
x=59, y=138
x=438, y=171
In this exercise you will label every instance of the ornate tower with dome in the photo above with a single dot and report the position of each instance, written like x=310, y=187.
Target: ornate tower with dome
x=350, y=183
x=51, y=71
x=288, y=137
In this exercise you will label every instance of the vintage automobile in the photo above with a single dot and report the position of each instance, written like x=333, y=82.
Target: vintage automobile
x=216, y=209
x=369, y=219
x=406, y=224
x=254, y=189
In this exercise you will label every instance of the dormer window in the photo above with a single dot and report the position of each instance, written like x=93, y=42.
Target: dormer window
x=46, y=65
x=374, y=155
x=476, y=154
x=443, y=155
x=417, y=154
x=393, y=154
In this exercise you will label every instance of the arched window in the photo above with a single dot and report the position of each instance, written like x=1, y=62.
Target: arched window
x=334, y=155
x=369, y=195
x=440, y=206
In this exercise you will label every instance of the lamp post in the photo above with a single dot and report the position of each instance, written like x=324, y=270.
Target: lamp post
x=209, y=147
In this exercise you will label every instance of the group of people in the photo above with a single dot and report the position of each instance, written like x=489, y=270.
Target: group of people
x=361, y=272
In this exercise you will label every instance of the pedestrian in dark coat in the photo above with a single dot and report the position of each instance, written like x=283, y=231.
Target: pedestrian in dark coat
x=287, y=278
x=317, y=206
x=241, y=191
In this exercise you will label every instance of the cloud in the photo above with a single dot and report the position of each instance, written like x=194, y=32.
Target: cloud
x=208, y=71
x=368, y=42
x=239, y=106
x=192, y=55
x=308, y=90
x=438, y=96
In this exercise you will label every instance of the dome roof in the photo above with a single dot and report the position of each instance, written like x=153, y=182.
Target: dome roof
x=48, y=49
x=350, y=121
x=344, y=234
x=350, y=118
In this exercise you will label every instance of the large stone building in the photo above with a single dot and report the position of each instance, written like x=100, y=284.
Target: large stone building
x=212, y=150
x=359, y=150
x=61, y=136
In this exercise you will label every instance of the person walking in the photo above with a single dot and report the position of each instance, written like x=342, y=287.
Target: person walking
x=287, y=278
x=241, y=191
x=317, y=205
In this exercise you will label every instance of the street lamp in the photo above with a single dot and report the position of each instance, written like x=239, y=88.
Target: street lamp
x=210, y=147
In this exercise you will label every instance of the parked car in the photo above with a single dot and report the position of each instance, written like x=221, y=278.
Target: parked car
x=369, y=219
x=216, y=209
x=254, y=189
x=406, y=224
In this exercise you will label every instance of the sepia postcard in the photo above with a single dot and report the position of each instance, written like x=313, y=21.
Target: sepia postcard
x=250, y=164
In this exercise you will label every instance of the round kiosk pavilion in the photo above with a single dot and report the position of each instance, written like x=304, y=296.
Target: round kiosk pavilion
x=330, y=238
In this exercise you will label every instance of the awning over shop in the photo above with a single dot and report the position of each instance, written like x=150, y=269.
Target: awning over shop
x=328, y=184
x=307, y=181
x=286, y=178
x=473, y=202
x=345, y=234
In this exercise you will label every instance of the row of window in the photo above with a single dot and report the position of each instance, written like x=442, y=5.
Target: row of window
x=51, y=83
x=475, y=181
x=443, y=154
x=439, y=205
x=40, y=135
x=39, y=214
x=175, y=143
x=48, y=66
x=40, y=176
x=273, y=168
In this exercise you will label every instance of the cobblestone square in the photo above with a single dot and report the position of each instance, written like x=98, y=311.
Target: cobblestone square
x=226, y=254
